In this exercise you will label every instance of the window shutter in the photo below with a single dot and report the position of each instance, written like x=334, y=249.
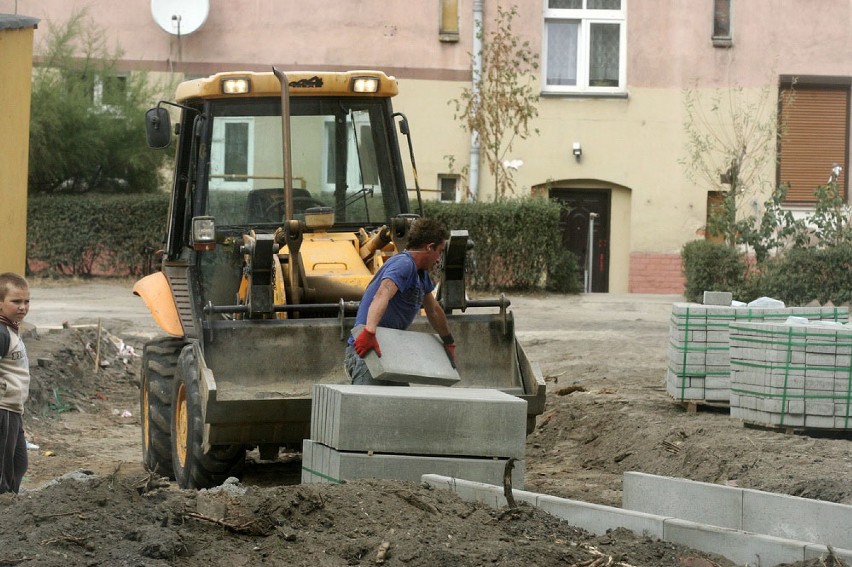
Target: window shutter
x=815, y=138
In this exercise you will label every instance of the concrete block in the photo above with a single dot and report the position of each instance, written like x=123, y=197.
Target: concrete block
x=410, y=356
x=680, y=498
x=740, y=547
x=797, y=518
x=329, y=465
x=756, y=511
x=718, y=298
x=599, y=519
x=471, y=422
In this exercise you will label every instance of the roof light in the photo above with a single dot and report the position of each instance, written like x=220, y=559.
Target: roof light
x=236, y=85
x=365, y=84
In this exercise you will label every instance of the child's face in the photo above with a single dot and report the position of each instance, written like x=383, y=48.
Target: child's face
x=16, y=304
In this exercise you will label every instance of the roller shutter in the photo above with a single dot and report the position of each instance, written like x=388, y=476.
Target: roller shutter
x=816, y=137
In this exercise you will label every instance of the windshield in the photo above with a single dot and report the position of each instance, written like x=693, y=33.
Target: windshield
x=341, y=158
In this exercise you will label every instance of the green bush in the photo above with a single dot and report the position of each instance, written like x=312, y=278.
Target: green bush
x=82, y=235
x=565, y=276
x=517, y=243
x=710, y=266
x=802, y=275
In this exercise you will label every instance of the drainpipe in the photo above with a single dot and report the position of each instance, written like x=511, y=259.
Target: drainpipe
x=477, y=73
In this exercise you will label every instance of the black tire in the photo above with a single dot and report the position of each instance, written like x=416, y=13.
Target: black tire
x=159, y=364
x=194, y=468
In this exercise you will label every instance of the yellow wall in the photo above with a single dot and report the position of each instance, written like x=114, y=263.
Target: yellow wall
x=16, y=62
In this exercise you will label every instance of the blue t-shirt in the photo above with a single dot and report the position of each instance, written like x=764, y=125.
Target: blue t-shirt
x=412, y=285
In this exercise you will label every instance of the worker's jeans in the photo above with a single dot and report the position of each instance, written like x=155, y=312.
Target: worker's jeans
x=358, y=372
x=13, y=451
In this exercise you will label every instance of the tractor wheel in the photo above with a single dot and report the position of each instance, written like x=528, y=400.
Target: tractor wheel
x=159, y=362
x=194, y=468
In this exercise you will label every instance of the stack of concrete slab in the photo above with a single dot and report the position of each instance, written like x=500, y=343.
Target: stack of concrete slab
x=402, y=433
x=796, y=375
x=699, y=354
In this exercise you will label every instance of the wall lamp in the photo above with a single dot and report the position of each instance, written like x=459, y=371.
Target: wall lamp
x=578, y=150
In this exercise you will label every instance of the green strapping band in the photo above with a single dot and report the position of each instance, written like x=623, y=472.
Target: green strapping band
x=786, y=375
x=691, y=348
x=685, y=337
x=787, y=367
x=789, y=395
x=323, y=476
x=848, y=398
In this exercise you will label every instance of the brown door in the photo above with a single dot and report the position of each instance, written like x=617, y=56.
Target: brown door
x=577, y=206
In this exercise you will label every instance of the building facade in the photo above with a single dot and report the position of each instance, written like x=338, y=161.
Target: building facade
x=619, y=80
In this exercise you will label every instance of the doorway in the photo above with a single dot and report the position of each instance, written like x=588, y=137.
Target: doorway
x=577, y=207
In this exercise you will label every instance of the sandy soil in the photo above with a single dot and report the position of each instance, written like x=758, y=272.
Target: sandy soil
x=607, y=412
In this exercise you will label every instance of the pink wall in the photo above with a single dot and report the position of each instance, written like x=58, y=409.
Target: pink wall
x=655, y=273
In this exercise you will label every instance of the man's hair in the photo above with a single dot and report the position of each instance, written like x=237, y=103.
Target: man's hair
x=8, y=280
x=425, y=232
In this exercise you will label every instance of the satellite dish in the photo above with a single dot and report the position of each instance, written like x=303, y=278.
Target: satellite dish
x=180, y=17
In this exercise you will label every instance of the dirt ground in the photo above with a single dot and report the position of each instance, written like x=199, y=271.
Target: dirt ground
x=607, y=412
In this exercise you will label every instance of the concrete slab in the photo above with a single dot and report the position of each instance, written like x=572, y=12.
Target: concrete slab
x=466, y=422
x=756, y=511
x=718, y=298
x=682, y=498
x=410, y=357
x=739, y=546
x=322, y=464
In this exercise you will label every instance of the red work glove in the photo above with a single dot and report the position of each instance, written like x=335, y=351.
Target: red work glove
x=450, y=348
x=365, y=342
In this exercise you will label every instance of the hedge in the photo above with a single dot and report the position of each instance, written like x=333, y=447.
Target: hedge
x=517, y=243
x=797, y=276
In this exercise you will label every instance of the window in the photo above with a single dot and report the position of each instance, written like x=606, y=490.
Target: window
x=815, y=125
x=722, y=23
x=448, y=186
x=585, y=46
x=232, y=150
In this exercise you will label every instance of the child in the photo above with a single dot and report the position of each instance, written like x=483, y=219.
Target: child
x=14, y=381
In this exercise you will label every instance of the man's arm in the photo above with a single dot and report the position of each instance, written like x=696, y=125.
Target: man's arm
x=387, y=289
x=438, y=320
x=435, y=314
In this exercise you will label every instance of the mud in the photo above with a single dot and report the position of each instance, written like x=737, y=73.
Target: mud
x=607, y=412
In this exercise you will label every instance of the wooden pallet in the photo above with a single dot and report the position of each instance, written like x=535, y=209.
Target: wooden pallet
x=692, y=406
x=799, y=430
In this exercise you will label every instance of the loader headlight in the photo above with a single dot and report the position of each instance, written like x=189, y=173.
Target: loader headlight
x=236, y=85
x=365, y=85
x=203, y=233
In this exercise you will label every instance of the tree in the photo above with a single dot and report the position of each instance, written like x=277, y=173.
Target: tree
x=86, y=130
x=500, y=104
x=731, y=148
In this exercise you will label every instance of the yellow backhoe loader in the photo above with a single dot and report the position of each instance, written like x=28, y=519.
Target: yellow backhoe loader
x=288, y=194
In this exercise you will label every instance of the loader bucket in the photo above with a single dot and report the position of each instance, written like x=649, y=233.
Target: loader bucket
x=257, y=375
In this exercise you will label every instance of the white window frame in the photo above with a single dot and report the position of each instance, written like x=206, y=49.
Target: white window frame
x=586, y=18
x=352, y=163
x=217, y=158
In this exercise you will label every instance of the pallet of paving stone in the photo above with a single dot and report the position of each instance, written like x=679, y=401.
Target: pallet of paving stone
x=698, y=365
x=792, y=377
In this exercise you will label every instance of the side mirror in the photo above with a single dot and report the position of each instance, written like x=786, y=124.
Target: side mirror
x=158, y=127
